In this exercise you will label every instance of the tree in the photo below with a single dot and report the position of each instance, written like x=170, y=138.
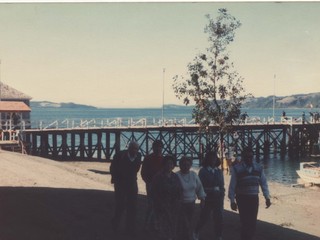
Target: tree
x=212, y=83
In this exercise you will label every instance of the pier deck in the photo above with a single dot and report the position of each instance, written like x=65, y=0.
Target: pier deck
x=101, y=143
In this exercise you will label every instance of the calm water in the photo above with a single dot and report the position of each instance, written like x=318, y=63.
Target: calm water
x=277, y=169
x=52, y=114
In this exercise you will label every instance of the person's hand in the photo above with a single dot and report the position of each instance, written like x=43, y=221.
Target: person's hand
x=202, y=201
x=268, y=203
x=234, y=206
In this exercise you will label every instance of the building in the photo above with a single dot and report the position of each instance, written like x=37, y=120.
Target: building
x=14, y=110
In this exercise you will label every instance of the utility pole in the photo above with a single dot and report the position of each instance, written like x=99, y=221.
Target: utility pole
x=0, y=81
x=163, y=75
x=0, y=97
x=274, y=96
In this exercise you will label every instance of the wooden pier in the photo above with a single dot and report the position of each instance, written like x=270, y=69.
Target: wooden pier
x=101, y=143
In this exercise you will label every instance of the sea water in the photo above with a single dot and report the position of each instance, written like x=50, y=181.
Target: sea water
x=282, y=170
x=52, y=114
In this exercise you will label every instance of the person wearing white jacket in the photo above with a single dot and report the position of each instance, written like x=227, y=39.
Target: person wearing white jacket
x=191, y=190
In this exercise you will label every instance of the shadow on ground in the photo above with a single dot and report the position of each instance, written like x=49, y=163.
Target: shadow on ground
x=32, y=213
x=99, y=171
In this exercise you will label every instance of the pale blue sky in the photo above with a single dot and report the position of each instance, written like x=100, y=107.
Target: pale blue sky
x=113, y=54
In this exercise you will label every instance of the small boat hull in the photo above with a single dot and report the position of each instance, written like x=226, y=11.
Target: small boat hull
x=309, y=172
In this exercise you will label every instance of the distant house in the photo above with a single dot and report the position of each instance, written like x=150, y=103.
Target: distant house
x=14, y=108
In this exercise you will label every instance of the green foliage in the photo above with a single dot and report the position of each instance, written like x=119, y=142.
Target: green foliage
x=212, y=83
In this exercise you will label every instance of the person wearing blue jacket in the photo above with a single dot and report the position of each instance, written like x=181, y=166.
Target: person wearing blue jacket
x=212, y=180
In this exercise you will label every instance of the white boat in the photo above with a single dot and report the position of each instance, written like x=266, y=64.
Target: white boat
x=309, y=172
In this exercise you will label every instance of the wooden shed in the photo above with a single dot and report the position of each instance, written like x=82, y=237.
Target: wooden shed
x=14, y=108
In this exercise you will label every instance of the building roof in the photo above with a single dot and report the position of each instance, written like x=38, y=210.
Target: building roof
x=7, y=93
x=10, y=106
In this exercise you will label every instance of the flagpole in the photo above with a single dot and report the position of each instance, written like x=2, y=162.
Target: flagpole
x=0, y=80
x=0, y=97
x=274, y=95
x=163, y=74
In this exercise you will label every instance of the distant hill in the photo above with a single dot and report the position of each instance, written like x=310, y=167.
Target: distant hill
x=47, y=104
x=293, y=101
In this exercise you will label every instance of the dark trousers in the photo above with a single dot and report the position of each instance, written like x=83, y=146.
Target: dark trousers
x=125, y=201
x=150, y=213
x=186, y=221
x=215, y=207
x=248, y=210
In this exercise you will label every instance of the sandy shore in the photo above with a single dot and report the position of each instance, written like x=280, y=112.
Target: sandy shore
x=45, y=199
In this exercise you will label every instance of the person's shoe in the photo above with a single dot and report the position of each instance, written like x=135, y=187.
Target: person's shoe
x=195, y=236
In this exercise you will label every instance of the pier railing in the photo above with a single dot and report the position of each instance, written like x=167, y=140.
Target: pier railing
x=145, y=122
x=8, y=125
x=100, y=139
x=96, y=140
x=111, y=122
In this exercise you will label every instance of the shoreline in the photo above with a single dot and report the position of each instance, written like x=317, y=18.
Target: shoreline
x=39, y=198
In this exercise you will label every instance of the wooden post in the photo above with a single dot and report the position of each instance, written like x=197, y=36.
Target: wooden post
x=82, y=146
x=64, y=145
x=99, y=143
x=54, y=145
x=44, y=145
x=118, y=141
x=283, y=147
x=73, y=145
x=34, y=144
x=107, y=147
x=90, y=153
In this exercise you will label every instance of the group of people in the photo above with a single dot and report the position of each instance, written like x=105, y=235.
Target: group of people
x=315, y=117
x=172, y=195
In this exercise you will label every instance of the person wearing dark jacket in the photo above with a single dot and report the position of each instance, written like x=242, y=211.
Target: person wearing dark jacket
x=213, y=183
x=167, y=194
x=151, y=165
x=124, y=168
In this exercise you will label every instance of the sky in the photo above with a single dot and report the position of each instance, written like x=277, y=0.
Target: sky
x=114, y=54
